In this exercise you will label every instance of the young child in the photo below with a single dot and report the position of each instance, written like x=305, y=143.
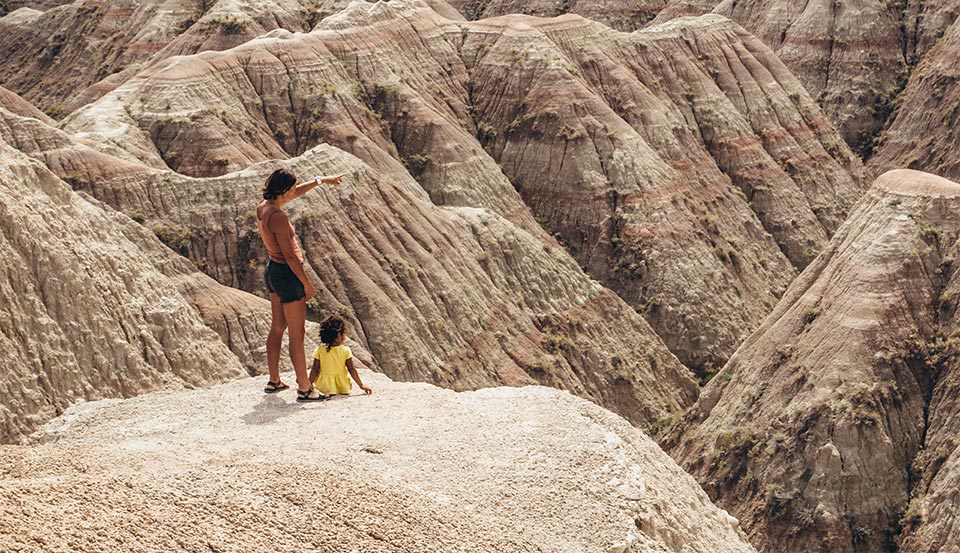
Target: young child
x=332, y=360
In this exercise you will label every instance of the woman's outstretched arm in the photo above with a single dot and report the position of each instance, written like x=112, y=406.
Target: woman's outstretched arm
x=302, y=189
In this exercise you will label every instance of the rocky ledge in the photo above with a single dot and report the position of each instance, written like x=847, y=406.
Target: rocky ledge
x=411, y=468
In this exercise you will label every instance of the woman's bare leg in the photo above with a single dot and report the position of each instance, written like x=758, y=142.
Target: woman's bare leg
x=278, y=325
x=295, y=313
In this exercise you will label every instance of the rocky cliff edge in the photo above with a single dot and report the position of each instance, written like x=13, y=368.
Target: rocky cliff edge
x=411, y=468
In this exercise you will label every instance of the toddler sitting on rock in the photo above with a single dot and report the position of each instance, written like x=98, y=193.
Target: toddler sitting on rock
x=332, y=360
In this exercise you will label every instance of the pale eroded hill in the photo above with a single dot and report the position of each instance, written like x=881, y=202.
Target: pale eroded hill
x=410, y=468
x=86, y=312
x=854, y=57
x=624, y=15
x=460, y=297
x=833, y=427
x=692, y=188
x=924, y=135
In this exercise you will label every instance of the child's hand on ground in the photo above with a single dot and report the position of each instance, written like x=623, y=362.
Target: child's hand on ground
x=366, y=389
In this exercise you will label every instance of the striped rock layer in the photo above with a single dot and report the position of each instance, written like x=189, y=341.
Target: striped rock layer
x=833, y=427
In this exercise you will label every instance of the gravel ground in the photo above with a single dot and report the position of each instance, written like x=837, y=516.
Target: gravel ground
x=411, y=468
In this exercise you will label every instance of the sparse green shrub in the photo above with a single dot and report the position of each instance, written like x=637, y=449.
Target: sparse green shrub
x=546, y=225
x=554, y=343
x=540, y=366
x=929, y=234
x=944, y=299
x=486, y=133
x=416, y=164
x=176, y=238
x=913, y=516
x=784, y=353
x=710, y=224
x=709, y=371
x=229, y=24
x=569, y=133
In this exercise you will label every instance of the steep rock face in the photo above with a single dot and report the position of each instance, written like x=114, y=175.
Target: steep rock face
x=520, y=470
x=39, y=5
x=72, y=160
x=52, y=57
x=70, y=55
x=853, y=57
x=626, y=16
x=843, y=53
x=86, y=314
x=926, y=22
x=661, y=217
x=17, y=105
x=672, y=158
x=683, y=8
x=839, y=412
x=432, y=292
x=924, y=135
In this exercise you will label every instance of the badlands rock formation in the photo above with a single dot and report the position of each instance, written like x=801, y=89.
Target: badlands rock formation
x=853, y=57
x=688, y=146
x=850, y=56
x=71, y=54
x=833, y=428
x=7, y=6
x=18, y=106
x=86, y=312
x=410, y=468
x=924, y=135
x=460, y=297
x=628, y=15
x=692, y=188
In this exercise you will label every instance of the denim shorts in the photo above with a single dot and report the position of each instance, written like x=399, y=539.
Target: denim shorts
x=282, y=281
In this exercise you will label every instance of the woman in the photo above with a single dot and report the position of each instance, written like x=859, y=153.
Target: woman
x=285, y=279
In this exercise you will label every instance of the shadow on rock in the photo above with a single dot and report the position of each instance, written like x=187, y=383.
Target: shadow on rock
x=269, y=410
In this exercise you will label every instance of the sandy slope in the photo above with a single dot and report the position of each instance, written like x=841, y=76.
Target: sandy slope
x=411, y=468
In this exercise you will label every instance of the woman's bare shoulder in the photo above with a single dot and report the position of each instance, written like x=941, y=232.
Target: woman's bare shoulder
x=278, y=219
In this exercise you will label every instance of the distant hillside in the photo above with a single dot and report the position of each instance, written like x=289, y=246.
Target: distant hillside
x=693, y=189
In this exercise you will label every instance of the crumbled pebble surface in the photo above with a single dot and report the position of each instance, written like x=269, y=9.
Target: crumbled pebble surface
x=412, y=467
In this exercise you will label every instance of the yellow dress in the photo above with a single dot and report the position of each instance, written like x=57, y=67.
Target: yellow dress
x=334, y=378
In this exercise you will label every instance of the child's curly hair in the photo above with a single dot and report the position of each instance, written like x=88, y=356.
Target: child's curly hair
x=330, y=329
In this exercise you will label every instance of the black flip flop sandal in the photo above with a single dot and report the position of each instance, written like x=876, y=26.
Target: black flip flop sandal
x=305, y=395
x=274, y=387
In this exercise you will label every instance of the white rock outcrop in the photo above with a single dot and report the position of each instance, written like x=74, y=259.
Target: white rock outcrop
x=411, y=468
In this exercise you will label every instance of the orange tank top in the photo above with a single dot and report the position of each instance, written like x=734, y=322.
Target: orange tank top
x=270, y=238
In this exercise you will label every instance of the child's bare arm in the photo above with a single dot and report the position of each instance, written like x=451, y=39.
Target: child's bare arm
x=315, y=370
x=356, y=377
